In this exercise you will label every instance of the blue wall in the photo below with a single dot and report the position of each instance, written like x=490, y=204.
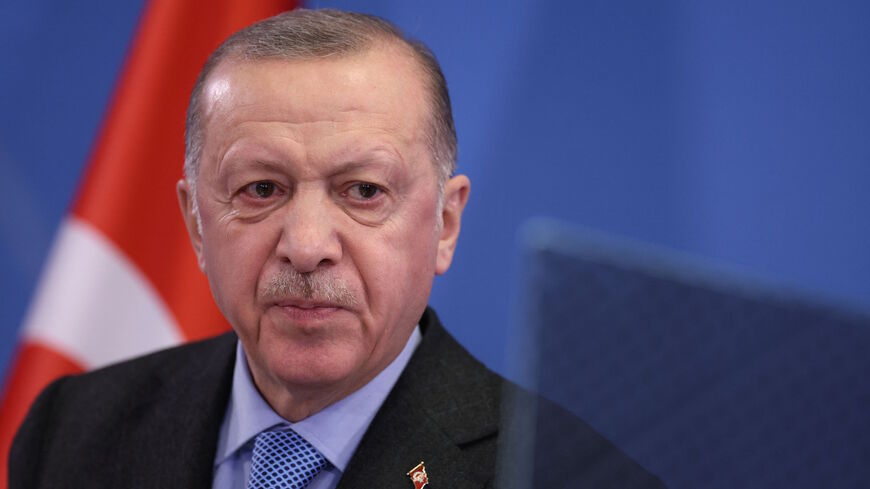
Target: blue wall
x=58, y=65
x=738, y=131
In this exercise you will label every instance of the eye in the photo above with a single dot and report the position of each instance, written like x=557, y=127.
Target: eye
x=364, y=191
x=260, y=190
x=366, y=202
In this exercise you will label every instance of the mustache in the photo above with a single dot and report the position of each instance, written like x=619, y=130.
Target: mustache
x=315, y=286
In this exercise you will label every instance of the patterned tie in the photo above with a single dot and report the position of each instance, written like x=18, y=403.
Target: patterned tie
x=283, y=459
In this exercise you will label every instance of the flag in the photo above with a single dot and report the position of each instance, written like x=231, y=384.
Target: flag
x=418, y=476
x=122, y=278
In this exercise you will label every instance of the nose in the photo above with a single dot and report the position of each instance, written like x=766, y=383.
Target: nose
x=308, y=236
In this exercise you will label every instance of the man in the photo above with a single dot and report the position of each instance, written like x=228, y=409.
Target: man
x=320, y=198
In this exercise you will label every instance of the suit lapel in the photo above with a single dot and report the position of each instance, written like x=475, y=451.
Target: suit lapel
x=443, y=411
x=171, y=436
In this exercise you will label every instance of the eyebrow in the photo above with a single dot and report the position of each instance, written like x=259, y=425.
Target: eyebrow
x=375, y=158
x=267, y=164
x=355, y=165
x=369, y=159
x=234, y=164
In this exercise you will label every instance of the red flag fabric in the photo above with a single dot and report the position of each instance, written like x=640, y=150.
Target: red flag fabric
x=419, y=476
x=122, y=278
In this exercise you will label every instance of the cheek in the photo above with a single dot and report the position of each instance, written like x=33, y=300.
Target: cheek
x=399, y=265
x=233, y=264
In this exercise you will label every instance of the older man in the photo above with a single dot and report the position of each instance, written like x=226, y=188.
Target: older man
x=321, y=200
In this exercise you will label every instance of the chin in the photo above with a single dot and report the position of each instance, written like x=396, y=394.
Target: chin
x=313, y=367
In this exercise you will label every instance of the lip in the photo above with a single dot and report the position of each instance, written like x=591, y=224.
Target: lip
x=307, y=311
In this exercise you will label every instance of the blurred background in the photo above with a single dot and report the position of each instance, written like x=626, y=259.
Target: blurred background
x=737, y=133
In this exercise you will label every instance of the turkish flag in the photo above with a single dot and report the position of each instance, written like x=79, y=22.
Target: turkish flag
x=418, y=476
x=122, y=278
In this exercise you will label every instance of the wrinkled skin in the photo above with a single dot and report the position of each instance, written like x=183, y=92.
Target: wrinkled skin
x=320, y=169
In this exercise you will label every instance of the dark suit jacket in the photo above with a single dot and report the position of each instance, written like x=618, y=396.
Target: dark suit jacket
x=154, y=421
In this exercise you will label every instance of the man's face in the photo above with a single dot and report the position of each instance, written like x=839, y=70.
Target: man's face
x=320, y=232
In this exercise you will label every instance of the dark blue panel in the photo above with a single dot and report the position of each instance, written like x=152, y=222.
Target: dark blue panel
x=707, y=379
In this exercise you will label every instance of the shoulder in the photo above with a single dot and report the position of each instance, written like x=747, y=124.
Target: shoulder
x=80, y=421
x=134, y=378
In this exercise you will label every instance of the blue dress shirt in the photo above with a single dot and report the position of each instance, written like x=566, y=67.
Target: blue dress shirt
x=334, y=431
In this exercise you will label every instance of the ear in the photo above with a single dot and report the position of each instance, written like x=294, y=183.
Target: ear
x=455, y=196
x=188, y=214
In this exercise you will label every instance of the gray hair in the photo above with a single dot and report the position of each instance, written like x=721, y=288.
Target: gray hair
x=308, y=34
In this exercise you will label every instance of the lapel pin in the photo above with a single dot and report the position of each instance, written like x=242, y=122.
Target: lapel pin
x=418, y=476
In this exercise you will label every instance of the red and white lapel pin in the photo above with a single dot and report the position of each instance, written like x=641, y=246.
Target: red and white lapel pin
x=418, y=476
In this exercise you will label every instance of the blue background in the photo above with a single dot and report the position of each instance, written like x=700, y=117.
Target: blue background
x=736, y=131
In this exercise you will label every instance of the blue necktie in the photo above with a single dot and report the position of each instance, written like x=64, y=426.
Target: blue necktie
x=283, y=459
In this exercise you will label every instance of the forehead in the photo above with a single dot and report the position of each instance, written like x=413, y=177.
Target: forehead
x=384, y=84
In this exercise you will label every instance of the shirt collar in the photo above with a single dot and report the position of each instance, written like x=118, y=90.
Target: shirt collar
x=335, y=431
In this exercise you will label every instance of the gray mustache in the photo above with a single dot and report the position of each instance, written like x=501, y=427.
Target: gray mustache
x=314, y=286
